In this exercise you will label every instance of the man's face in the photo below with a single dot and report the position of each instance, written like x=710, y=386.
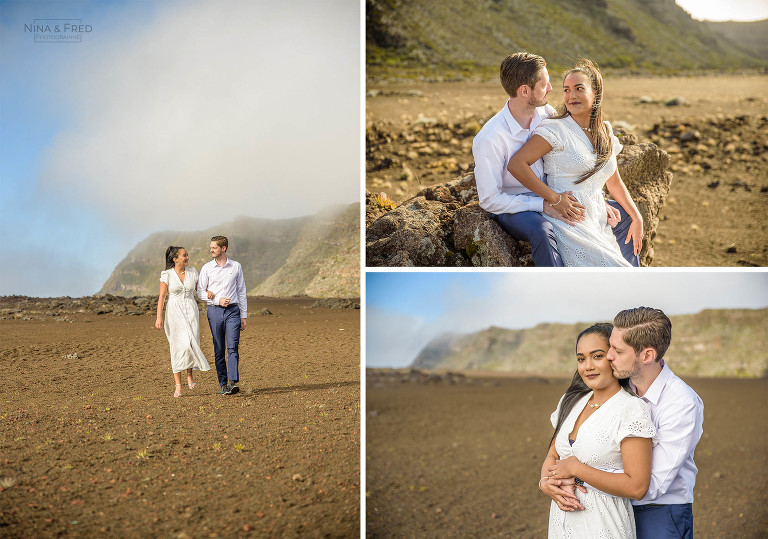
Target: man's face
x=542, y=87
x=622, y=357
x=216, y=251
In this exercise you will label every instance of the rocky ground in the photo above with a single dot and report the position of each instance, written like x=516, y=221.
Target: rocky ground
x=454, y=455
x=420, y=134
x=94, y=445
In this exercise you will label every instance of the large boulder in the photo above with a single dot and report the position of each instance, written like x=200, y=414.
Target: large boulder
x=443, y=225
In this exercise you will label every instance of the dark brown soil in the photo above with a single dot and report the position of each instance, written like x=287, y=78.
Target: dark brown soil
x=420, y=134
x=95, y=445
x=460, y=457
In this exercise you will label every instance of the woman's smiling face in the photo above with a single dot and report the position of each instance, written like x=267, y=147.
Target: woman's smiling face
x=578, y=94
x=592, y=362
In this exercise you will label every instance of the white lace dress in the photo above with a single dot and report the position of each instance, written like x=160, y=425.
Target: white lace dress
x=590, y=242
x=598, y=444
x=182, y=322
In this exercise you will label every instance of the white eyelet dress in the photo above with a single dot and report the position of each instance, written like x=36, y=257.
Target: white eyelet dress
x=598, y=444
x=590, y=242
x=182, y=322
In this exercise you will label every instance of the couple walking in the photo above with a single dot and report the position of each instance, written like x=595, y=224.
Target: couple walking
x=540, y=172
x=626, y=429
x=222, y=286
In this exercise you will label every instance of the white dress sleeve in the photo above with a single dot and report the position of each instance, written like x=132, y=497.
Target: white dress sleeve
x=617, y=146
x=553, y=417
x=164, y=278
x=550, y=130
x=635, y=421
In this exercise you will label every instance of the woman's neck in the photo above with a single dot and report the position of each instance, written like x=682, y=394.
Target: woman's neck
x=603, y=394
x=582, y=120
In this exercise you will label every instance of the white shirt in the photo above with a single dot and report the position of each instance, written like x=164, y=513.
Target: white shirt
x=225, y=282
x=678, y=414
x=493, y=147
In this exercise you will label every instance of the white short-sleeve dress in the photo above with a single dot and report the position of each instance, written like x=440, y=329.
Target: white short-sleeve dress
x=182, y=322
x=590, y=242
x=598, y=444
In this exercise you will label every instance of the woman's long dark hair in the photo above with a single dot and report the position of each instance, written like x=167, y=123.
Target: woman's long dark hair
x=578, y=388
x=171, y=253
x=598, y=132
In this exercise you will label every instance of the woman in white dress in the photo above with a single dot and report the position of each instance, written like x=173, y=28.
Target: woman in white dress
x=603, y=438
x=579, y=152
x=182, y=318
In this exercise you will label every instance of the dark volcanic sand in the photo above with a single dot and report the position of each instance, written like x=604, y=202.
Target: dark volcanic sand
x=97, y=446
x=462, y=460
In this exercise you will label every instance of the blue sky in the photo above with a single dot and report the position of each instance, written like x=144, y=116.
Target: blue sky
x=168, y=116
x=718, y=10
x=405, y=310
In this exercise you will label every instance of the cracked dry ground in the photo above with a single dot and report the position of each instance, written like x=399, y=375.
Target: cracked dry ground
x=96, y=445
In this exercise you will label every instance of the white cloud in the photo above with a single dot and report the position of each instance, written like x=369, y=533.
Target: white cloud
x=393, y=340
x=214, y=110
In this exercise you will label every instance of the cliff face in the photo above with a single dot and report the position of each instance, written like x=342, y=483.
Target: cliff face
x=317, y=255
x=727, y=342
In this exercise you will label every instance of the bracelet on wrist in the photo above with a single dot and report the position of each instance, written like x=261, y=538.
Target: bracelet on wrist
x=559, y=200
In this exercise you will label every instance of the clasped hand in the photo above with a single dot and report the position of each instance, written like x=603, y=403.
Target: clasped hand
x=563, y=469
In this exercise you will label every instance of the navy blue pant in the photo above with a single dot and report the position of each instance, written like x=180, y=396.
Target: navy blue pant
x=225, y=328
x=531, y=226
x=671, y=521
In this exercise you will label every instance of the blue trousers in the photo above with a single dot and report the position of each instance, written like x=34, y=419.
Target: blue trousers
x=225, y=328
x=531, y=226
x=672, y=521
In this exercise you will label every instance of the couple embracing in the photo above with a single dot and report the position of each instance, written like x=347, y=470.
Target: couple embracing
x=222, y=286
x=626, y=429
x=540, y=173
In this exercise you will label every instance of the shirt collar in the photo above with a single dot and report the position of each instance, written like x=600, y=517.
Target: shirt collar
x=654, y=392
x=514, y=127
x=227, y=263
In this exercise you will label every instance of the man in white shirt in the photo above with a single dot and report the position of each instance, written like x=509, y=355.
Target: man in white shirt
x=639, y=340
x=222, y=286
x=517, y=210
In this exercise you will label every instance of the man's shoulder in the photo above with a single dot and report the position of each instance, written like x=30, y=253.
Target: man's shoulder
x=493, y=128
x=207, y=265
x=676, y=393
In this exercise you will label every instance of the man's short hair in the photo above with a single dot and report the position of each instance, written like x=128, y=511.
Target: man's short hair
x=518, y=69
x=221, y=241
x=645, y=327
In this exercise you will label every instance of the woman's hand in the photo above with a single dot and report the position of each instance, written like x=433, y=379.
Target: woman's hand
x=614, y=217
x=564, y=469
x=635, y=234
x=563, y=493
x=567, y=206
x=211, y=295
x=159, y=323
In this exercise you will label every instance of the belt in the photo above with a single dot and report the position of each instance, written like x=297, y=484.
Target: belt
x=222, y=307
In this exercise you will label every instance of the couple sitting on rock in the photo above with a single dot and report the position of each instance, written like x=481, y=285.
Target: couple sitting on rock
x=540, y=173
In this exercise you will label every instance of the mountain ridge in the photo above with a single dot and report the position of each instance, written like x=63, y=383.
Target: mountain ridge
x=317, y=255
x=713, y=342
